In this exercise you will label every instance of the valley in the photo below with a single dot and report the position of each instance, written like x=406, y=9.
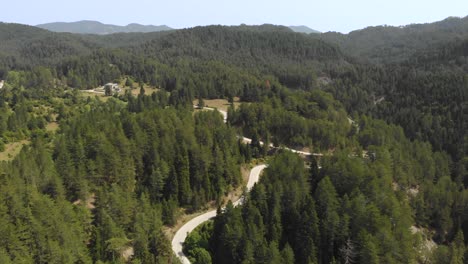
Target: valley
x=147, y=147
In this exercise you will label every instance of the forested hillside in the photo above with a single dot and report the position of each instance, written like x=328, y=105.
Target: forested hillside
x=24, y=46
x=372, y=188
x=111, y=177
x=427, y=95
x=216, y=61
x=389, y=44
x=106, y=177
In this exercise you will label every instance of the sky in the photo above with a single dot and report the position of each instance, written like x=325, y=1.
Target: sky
x=323, y=15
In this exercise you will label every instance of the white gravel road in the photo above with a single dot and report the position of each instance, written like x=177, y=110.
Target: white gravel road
x=181, y=234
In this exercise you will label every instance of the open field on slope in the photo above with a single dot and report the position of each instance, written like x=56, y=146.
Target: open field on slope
x=221, y=104
x=12, y=149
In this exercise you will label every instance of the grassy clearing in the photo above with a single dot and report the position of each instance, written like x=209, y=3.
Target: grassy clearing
x=101, y=96
x=135, y=91
x=221, y=104
x=52, y=127
x=12, y=149
x=148, y=90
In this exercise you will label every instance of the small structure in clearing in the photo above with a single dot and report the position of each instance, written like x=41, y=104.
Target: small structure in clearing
x=112, y=88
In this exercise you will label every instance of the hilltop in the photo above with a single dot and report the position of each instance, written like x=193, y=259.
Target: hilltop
x=303, y=29
x=95, y=27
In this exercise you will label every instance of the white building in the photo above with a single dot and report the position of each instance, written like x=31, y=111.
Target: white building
x=113, y=86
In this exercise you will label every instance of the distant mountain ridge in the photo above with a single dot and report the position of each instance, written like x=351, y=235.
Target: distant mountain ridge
x=95, y=27
x=303, y=29
x=389, y=44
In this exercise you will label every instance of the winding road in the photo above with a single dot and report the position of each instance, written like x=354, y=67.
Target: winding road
x=181, y=234
x=248, y=140
x=254, y=176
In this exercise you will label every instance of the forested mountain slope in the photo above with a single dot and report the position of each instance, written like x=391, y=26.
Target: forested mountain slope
x=109, y=179
x=26, y=46
x=394, y=44
x=259, y=43
x=373, y=186
x=293, y=58
x=23, y=46
x=427, y=95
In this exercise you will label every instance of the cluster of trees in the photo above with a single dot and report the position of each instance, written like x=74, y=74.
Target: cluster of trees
x=37, y=227
x=295, y=119
x=21, y=116
x=40, y=225
x=162, y=151
x=114, y=173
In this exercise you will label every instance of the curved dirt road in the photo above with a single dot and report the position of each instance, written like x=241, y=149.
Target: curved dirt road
x=248, y=140
x=181, y=234
x=224, y=113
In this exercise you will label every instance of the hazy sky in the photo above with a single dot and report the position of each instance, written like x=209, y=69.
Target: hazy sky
x=322, y=15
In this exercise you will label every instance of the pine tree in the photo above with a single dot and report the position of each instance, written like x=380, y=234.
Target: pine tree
x=457, y=249
x=368, y=253
x=287, y=254
x=201, y=103
x=327, y=206
x=348, y=252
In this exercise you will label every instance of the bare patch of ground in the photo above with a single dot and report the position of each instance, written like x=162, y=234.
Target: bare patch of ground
x=306, y=149
x=183, y=218
x=127, y=253
x=235, y=194
x=52, y=126
x=89, y=201
x=324, y=80
x=413, y=191
x=12, y=149
x=427, y=245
